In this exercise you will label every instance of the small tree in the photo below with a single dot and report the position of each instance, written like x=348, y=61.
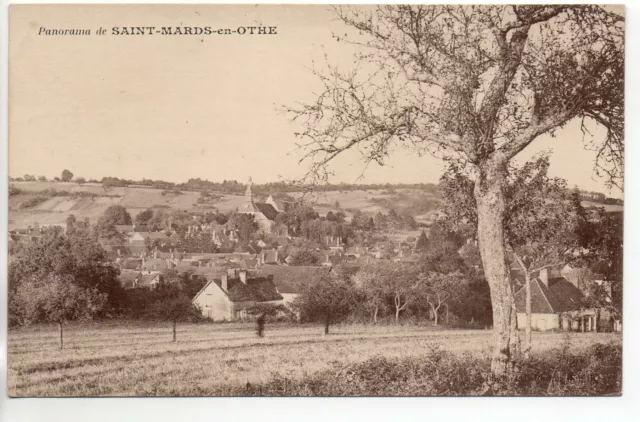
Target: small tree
x=437, y=289
x=374, y=288
x=401, y=286
x=57, y=299
x=144, y=217
x=66, y=176
x=385, y=281
x=172, y=304
x=329, y=300
x=304, y=257
x=423, y=242
x=244, y=224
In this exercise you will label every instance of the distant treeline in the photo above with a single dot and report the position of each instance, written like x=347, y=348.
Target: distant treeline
x=235, y=187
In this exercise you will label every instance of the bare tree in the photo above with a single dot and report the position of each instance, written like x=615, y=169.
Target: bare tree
x=388, y=281
x=477, y=84
x=437, y=289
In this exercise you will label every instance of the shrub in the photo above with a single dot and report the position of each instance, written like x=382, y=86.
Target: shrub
x=171, y=192
x=594, y=371
x=14, y=190
x=32, y=202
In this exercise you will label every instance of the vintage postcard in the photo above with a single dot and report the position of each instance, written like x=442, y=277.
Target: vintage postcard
x=315, y=200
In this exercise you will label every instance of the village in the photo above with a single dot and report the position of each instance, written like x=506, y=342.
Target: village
x=257, y=262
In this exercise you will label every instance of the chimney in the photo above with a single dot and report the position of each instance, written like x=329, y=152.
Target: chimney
x=225, y=282
x=544, y=276
x=243, y=276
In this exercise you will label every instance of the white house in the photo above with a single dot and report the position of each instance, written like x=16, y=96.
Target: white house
x=556, y=303
x=230, y=298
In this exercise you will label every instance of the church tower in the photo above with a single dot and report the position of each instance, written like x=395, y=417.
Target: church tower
x=248, y=206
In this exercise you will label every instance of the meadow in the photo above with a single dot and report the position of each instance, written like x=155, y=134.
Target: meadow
x=139, y=359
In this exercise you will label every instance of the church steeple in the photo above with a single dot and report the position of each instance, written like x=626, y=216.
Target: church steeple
x=248, y=195
x=248, y=206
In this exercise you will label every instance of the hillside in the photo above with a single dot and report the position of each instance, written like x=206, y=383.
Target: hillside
x=423, y=205
x=56, y=209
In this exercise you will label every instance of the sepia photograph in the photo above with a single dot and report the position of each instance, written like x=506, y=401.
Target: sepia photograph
x=315, y=200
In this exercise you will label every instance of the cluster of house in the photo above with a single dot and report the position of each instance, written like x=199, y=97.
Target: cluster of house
x=236, y=282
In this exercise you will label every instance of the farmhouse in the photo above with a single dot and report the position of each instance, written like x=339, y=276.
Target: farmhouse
x=230, y=298
x=556, y=303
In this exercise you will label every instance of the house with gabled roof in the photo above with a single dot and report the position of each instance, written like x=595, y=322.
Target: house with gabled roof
x=230, y=298
x=556, y=303
x=277, y=204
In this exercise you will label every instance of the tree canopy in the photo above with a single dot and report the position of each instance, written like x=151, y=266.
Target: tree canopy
x=328, y=300
x=66, y=176
x=75, y=258
x=475, y=85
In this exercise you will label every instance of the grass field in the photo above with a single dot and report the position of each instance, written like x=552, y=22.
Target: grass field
x=118, y=359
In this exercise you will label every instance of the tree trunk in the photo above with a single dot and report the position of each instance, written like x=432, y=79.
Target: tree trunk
x=375, y=315
x=434, y=311
x=527, y=326
x=490, y=201
x=174, y=330
x=446, y=316
x=327, y=319
x=60, y=329
x=397, y=315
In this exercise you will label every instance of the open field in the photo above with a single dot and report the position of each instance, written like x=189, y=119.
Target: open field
x=118, y=359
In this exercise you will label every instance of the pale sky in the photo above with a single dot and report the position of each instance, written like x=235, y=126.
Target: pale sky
x=182, y=107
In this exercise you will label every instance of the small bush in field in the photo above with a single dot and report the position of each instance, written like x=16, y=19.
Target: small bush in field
x=32, y=202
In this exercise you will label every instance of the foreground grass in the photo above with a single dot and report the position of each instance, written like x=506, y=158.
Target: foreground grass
x=222, y=359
